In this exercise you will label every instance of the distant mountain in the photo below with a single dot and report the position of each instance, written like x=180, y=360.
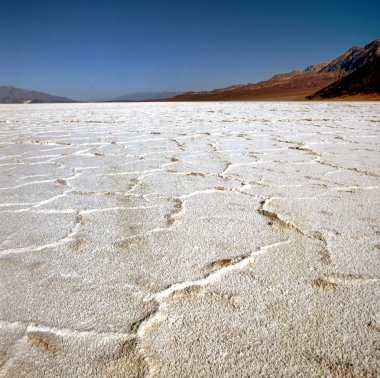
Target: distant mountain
x=12, y=95
x=146, y=96
x=355, y=72
x=315, y=68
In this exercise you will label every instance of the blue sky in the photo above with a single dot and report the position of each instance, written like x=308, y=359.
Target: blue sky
x=100, y=49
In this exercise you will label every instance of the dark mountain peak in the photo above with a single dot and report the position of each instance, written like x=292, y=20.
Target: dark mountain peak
x=374, y=43
x=354, y=58
x=363, y=81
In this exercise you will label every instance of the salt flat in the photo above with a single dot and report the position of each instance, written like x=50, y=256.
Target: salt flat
x=190, y=240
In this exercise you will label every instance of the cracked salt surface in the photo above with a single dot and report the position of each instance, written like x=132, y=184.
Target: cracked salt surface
x=190, y=240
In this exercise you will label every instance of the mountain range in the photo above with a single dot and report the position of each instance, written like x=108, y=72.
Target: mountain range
x=353, y=75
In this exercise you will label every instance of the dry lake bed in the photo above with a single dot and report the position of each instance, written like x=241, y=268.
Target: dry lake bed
x=190, y=240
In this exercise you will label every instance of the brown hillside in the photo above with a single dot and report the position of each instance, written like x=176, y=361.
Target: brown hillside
x=294, y=86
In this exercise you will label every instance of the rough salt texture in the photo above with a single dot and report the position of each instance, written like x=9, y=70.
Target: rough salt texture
x=190, y=240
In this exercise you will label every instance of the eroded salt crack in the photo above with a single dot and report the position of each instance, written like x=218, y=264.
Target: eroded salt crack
x=189, y=239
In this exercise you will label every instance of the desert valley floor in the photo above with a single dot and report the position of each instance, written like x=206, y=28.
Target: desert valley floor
x=190, y=240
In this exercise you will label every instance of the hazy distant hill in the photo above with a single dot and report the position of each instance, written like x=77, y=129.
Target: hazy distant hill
x=12, y=95
x=146, y=96
x=299, y=85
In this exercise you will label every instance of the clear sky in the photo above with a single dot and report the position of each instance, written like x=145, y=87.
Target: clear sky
x=105, y=48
